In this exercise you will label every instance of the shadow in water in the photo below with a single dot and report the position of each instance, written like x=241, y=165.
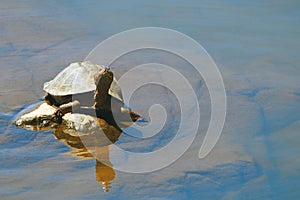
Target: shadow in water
x=92, y=145
x=88, y=137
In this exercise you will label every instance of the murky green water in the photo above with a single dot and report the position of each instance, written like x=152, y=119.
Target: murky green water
x=256, y=47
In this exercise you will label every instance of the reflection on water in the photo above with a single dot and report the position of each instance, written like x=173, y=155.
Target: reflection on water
x=104, y=171
x=105, y=174
x=99, y=149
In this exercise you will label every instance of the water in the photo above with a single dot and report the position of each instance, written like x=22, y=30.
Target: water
x=256, y=46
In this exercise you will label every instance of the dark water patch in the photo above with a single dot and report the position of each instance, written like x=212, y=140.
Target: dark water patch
x=279, y=117
x=14, y=137
x=35, y=52
x=5, y=120
x=18, y=191
x=7, y=48
x=297, y=93
x=21, y=151
x=250, y=93
x=223, y=178
x=263, y=120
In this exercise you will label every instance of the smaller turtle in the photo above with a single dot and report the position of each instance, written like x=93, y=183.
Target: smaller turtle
x=87, y=88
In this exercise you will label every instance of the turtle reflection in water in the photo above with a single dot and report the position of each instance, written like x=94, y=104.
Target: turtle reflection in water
x=88, y=137
x=96, y=145
x=80, y=105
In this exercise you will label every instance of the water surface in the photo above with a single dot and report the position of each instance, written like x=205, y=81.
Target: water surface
x=256, y=46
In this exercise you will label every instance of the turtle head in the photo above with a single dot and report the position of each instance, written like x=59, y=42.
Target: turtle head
x=103, y=79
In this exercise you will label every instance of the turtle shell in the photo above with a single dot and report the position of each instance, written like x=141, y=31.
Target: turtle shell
x=78, y=78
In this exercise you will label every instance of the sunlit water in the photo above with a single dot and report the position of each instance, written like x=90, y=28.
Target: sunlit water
x=256, y=47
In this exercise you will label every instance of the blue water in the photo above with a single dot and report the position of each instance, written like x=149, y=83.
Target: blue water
x=256, y=46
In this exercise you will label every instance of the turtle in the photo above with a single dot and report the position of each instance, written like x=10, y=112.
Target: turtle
x=86, y=88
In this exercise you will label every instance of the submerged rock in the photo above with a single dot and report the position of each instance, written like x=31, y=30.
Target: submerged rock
x=41, y=116
x=78, y=129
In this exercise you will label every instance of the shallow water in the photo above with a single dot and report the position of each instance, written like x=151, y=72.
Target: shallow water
x=256, y=47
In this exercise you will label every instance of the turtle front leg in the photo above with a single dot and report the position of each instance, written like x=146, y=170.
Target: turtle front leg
x=66, y=108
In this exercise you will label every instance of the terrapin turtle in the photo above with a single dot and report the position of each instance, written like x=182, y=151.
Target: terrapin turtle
x=85, y=85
